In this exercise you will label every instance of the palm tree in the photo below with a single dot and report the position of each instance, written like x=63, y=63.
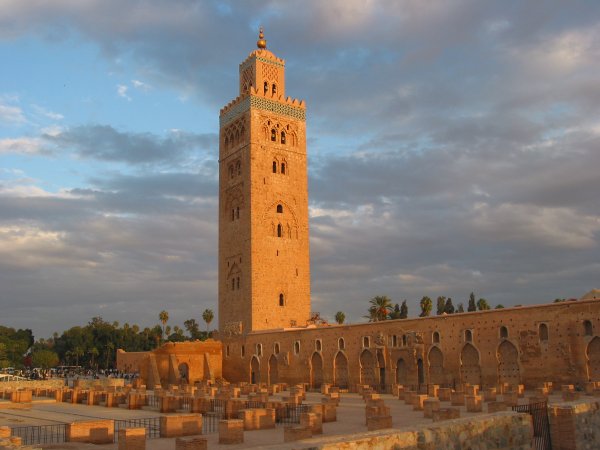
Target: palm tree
x=380, y=307
x=164, y=318
x=426, y=306
x=208, y=316
x=340, y=317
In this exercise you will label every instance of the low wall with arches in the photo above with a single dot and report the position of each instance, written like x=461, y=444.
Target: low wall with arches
x=558, y=342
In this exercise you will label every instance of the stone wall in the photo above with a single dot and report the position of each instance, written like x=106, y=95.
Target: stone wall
x=520, y=345
x=575, y=425
x=54, y=383
x=502, y=431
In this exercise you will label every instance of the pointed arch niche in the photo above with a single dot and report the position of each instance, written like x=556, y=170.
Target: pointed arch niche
x=367, y=368
x=436, y=366
x=508, y=364
x=273, y=370
x=340, y=371
x=316, y=370
x=470, y=369
x=593, y=356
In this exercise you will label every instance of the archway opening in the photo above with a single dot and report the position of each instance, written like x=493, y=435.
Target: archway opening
x=316, y=370
x=470, y=370
x=340, y=371
x=436, y=366
x=254, y=371
x=273, y=370
x=593, y=354
x=367, y=368
x=401, y=375
x=508, y=364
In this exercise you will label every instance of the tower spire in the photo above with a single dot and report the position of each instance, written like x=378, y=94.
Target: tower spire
x=261, y=43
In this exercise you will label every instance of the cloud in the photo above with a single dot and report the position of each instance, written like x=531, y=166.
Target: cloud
x=47, y=113
x=103, y=142
x=122, y=91
x=11, y=115
x=22, y=145
x=141, y=85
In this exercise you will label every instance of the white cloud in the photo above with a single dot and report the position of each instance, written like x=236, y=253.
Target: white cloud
x=141, y=85
x=23, y=145
x=47, y=113
x=122, y=91
x=12, y=115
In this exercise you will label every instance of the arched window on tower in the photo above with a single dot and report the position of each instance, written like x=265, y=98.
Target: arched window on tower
x=436, y=337
x=468, y=336
x=238, y=282
x=239, y=167
x=279, y=230
x=237, y=212
x=283, y=137
x=279, y=209
x=281, y=300
x=274, y=166
x=543, y=331
x=233, y=284
x=503, y=332
x=274, y=89
x=273, y=135
x=266, y=87
x=588, y=329
x=283, y=168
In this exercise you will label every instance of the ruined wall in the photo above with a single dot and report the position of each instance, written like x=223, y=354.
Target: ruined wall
x=502, y=431
x=194, y=361
x=575, y=425
x=556, y=342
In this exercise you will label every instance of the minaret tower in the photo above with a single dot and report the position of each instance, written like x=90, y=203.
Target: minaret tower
x=264, y=273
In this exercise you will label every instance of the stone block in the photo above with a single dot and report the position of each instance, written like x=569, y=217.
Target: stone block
x=231, y=431
x=457, y=399
x=473, y=403
x=429, y=406
x=433, y=390
x=471, y=389
x=418, y=400
x=329, y=413
x=379, y=423
x=257, y=418
x=445, y=394
x=493, y=407
x=5, y=432
x=191, y=443
x=291, y=434
x=446, y=414
x=511, y=398
x=92, y=432
x=490, y=394
x=180, y=425
x=132, y=439
x=312, y=421
x=569, y=396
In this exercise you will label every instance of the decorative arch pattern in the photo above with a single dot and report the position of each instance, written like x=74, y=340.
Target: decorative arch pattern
x=273, y=370
x=367, y=368
x=436, y=366
x=593, y=355
x=340, y=371
x=401, y=372
x=254, y=370
x=234, y=134
x=508, y=364
x=470, y=370
x=316, y=370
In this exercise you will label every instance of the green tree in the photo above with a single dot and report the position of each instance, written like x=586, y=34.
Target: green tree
x=482, y=304
x=208, y=316
x=395, y=314
x=403, y=310
x=193, y=328
x=499, y=306
x=472, y=306
x=461, y=308
x=44, y=358
x=426, y=306
x=380, y=308
x=449, y=307
x=441, y=305
x=340, y=317
x=164, y=318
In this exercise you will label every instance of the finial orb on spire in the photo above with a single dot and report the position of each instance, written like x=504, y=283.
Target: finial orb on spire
x=261, y=43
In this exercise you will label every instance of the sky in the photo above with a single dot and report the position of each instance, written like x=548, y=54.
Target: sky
x=453, y=146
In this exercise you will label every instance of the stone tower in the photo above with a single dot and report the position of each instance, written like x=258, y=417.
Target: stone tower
x=264, y=273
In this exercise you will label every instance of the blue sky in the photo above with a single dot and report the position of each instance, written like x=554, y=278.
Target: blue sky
x=453, y=147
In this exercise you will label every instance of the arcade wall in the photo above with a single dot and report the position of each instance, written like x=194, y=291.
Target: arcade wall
x=557, y=342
